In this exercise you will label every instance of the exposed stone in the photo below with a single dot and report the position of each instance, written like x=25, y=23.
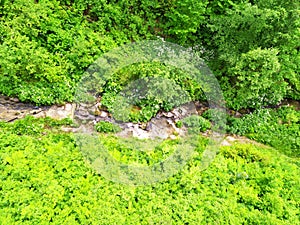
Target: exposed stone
x=225, y=143
x=290, y=102
x=41, y=114
x=12, y=109
x=61, y=112
x=35, y=111
x=103, y=114
x=172, y=136
x=7, y=115
x=168, y=114
x=237, y=114
x=14, y=100
x=68, y=129
x=143, y=126
x=184, y=110
x=87, y=115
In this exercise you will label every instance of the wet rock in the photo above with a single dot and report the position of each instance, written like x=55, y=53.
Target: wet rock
x=87, y=115
x=14, y=100
x=230, y=139
x=161, y=129
x=290, y=102
x=41, y=114
x=168, y=114
x=184, y=110
x=225, y=143
x=82, y=116
x=68, y=129
x=35, y=111
x=172, y=136
x=201, y=107
x=12, y=109
x=61, y=112
x=237, y=114
x=155, y=128
x=7, y=115
x=103, y=114
x=143, y=126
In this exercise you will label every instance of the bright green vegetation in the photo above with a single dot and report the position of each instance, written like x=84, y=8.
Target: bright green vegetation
x=279, y=128
x=196, y=124
x=45, y=179
x=107, y=127
x=144, y=152
x=251, y=46
x=157, y=87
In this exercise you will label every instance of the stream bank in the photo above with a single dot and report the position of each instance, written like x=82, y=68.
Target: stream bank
x=163, y=125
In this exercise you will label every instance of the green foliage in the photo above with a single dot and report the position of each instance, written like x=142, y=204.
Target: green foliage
x=262, y=34
x=27, y=126
x=252, y=47
x=179, y=124
x=278, y=128
x=184, y=19
x=140, y=151
x=35, y=126
x=45, y=46
x=255, y=80
x=45, y=179
x=149, y=87
x=196, y=124
x=231, y=34
x=107, y=127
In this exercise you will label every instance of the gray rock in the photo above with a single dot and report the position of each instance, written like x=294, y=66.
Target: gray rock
x=61, y=112
x=12, y=108
x=184, y=110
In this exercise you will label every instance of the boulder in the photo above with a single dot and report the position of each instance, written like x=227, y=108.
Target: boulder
x=61, y=112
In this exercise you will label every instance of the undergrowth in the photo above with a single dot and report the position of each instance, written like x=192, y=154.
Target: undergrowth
x=45, y=179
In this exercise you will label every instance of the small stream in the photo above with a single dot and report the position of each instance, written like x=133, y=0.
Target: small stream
x=161, y=126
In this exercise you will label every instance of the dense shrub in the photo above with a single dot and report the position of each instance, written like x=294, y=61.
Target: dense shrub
x=45, y=179
x=149, y=87
x=46, y=45
x=107, y=127
x=196, y=124
x=256, y=80
x=45, y=48
x=249, y=34
x=252, y=47
x=34, y=126
x=278, y=128
x=228, y=34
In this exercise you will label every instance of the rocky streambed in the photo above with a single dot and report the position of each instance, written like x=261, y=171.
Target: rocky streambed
x=86, y=116
x=12, y=109
x=163, y=125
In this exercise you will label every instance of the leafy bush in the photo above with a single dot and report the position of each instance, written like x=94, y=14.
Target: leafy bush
x=47, y=45
x=256, y=80
x=183, y=20
x=46, y=48
x=278, y=128
x=179, y=124
x=28, y=126
x=45, y=179
x=144, y=152
x=196, y=124
x=149, y=87
x=35, y=126
x=107, y=127
x=261, y=34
